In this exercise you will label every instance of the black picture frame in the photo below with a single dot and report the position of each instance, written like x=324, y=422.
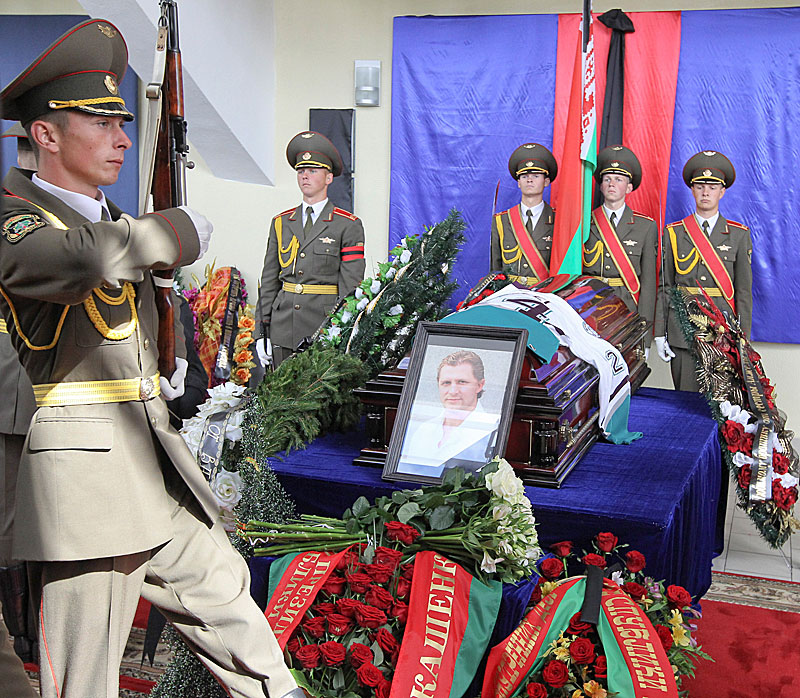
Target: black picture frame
x=415, y=453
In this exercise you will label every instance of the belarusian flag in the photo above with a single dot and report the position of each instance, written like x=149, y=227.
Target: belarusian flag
x=578, y=162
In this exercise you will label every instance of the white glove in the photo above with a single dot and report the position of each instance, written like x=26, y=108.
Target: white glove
x=664, y=350
x=264, y=351
x=174, y=387
x=203, y=227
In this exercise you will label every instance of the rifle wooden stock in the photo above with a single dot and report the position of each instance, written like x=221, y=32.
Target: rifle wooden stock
x=166, y=329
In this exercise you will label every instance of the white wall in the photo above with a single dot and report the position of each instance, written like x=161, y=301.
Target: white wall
x=316, y=42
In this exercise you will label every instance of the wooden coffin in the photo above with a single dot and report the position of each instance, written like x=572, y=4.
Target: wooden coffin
x=556, y=410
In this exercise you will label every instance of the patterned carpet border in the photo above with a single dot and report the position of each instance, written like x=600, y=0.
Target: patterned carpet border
x=754, y=591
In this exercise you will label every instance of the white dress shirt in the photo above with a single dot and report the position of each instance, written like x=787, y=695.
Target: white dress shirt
x=89, y=208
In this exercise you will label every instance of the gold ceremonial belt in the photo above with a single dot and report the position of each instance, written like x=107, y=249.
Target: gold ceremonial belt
x=526, y=280
x=320, y=289
x=96, y=392
x=616, y=281
x=3, y=327
x=695, y=290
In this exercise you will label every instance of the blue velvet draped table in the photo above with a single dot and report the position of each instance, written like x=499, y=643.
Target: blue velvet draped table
x=658, y=494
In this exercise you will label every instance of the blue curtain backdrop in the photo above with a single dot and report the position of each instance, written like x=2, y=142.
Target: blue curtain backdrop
x=466, y=91
x=22, y=39
x=739, y=93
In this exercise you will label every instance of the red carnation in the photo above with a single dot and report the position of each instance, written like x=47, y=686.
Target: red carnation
x=678, y=596
x=388, y=556
x=744, y=476
x=383, y=689
x=369, y=675
x=402, y=588
x=733, y=432
x=634, y=590
x=369, y=617
x=555, y=673
x=593, y=559
x=380, y=572
x=634, y=561
x=400, y=611
x=333, y=653
x=551, y=567
x=577, y=626
x=380, y=598
x=308, y=656
x=536, y=690
x=780, y=463
x=386, y=641
x=334, y=585
x=347, y=607
x=600, y=667
x=360, y=654
x=359, y=582
x=581, y=650
x=784, y=497
x=314, y=626
x=665, y=635
x=401, y=532
x=323, y=608
x=606, y=541
x=562, y=549
x=339, y=625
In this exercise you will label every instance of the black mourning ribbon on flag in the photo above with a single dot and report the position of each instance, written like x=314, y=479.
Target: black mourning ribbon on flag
x=590, y=610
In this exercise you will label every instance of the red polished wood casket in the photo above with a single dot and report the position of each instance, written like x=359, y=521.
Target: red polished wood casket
x=555, y=417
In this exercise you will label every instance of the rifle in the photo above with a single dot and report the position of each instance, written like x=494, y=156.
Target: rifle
x=169, y=169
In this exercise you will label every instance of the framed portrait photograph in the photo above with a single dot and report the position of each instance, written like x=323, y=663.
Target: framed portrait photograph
x=457, y=401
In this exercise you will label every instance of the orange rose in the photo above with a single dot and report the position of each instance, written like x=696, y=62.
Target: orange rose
x=245, y=339
x=243, y=356
x=247, y=323
x=242, y=375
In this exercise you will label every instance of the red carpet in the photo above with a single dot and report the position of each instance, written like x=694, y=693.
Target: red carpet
x=756, y=652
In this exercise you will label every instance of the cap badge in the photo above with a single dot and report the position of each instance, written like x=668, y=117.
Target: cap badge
x=306, y=156
x=614, y=164
x=111, y=85
x=709, y=152
x=616, y=147
x=529, y=145
x=108, y=31
x=706, y=173
x=307, y=134
x=529, y=163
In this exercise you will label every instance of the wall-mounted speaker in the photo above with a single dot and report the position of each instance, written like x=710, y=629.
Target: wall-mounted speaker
x=367, y=83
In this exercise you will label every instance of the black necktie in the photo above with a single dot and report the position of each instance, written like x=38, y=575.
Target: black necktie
x=104, y=215
x=705, y=227
x=614, y=220
x=529, y=222
x=309, y=221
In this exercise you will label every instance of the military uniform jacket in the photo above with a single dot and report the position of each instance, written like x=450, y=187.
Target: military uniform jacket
x=93, y=478
x=332, y=253
x=638, y=236
x=509, y=249
x=17, y=406
x=734, y=246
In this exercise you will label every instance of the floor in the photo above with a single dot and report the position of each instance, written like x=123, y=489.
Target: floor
x=746, y=552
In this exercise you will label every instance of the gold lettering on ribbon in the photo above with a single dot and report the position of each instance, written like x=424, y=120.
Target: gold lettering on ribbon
x=437, y=626
x=297, y=592
x=635, y=636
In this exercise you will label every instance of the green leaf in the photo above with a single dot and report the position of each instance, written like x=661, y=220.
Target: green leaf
x=378, y=652
x=442, y=517
x=360, y=506
x=408, y=511
x=369, y=553
x=338, y=680
x=453, y=477
x=399, y=497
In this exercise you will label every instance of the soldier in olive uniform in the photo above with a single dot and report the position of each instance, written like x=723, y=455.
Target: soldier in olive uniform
x=110, y=502
x=315, y=253
x=523, y=235
x=622, y=245
x=703, y=250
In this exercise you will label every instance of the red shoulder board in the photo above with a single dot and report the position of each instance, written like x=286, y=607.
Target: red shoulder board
x=736, y=224
x=675, y=223
x=283, y=213
x=643, y=215
x=345, y=214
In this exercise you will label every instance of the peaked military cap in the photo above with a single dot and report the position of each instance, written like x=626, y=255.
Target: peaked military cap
x=617, y=159
x=312, y=149
x=16, y=131
x=532, y=157
x=709, y=166
x=81, y=70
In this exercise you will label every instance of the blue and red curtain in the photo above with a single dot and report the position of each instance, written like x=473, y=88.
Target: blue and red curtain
x=467, y=90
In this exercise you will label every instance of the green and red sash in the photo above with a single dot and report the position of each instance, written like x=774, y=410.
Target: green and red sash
x=450, y=620
x=637, y=663
x=710, y=258
x=621, y=260
x=530, y=251
x=297, y=579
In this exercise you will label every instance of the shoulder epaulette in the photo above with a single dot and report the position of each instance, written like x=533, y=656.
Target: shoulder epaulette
x=675, y=223
x=643, y=215
x=345, y=214
x=736, y=224
x=283, y=213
